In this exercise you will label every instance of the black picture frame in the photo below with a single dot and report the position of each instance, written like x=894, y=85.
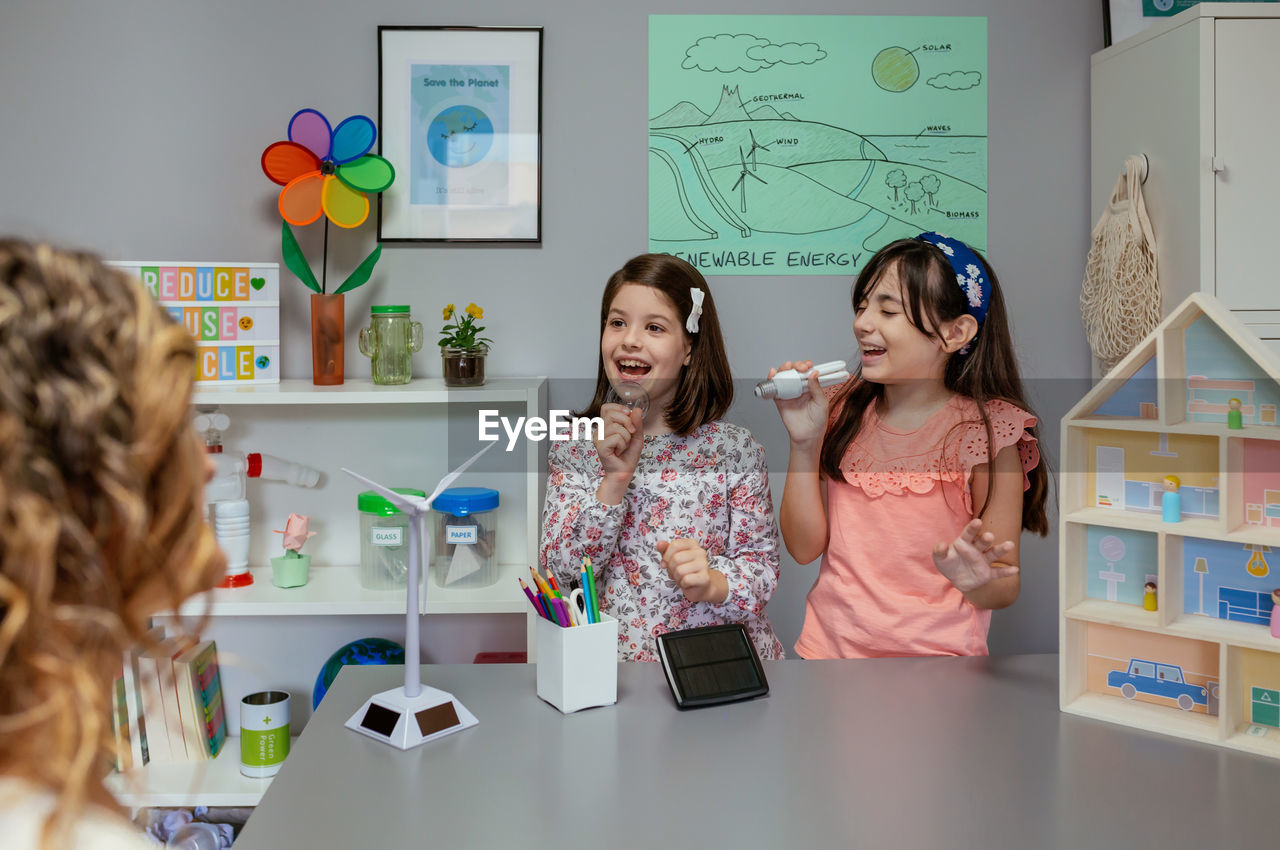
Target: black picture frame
x=460, y=119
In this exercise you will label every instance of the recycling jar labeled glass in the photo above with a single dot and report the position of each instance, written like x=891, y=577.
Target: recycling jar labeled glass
x=390, y=341
x=384, y=540
x=464, y=548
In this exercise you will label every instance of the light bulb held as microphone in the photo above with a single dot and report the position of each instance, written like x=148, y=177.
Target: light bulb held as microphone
x=630, y=395
x=790, y=383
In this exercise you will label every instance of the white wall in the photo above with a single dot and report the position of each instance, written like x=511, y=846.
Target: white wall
x=135, y=127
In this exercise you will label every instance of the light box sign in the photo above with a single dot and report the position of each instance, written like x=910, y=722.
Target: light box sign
x=232, y=310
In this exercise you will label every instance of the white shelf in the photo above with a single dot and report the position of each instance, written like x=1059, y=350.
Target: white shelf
x=1267, y=746
x=1115, y=614
x=337, y=590
x=1154, y=426
x=417, y=391
x=1115, y=518
x=1207, y=628
x=188, y=783
x=1142, y=715
x=1209, y=529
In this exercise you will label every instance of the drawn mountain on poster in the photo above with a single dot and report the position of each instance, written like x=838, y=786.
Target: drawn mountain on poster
x=730, y=108
x=683, y=114
x=768, y=113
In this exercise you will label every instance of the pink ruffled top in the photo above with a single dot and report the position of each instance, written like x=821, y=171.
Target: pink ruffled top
x=878, y=592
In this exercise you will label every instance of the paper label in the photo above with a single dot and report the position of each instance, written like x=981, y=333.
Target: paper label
x=262, y=748
x=390, y=537
x=464, y=534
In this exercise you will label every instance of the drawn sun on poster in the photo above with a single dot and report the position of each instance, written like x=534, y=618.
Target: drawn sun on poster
x=895, y=69
x=459, y=136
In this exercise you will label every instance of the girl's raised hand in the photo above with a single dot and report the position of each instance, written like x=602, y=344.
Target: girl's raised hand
x=968, y=561
x=805, y=417
x=686, y=562
x=619, y=449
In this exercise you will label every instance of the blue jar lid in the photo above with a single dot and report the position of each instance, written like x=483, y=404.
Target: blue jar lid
x=461, y=501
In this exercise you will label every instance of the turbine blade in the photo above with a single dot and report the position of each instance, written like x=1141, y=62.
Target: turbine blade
x=758, y=177
x=453, y=476
x=741, y=177
x=412, y=504
x=742, y=157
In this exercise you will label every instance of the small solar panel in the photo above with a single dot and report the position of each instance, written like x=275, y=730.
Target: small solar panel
x=711, y=665
x=437, y=718
x=380, y=719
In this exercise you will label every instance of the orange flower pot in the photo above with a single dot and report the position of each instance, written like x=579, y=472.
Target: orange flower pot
x=328, y=339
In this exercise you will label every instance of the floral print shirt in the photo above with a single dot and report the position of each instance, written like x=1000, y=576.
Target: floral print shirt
x=711, y=486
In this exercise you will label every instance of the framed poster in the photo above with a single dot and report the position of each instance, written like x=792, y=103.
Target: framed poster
x=1123, y=18
x=460, y=112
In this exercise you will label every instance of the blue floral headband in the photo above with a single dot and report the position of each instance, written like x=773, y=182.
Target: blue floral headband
x=968, y=270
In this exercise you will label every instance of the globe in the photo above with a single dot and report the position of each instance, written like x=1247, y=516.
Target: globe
x=370, y=650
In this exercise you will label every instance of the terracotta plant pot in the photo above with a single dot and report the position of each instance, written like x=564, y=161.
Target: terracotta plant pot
x=328, y=339
x=463, y=367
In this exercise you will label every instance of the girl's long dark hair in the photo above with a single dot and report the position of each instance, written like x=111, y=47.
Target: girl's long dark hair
x=704, y=389
x=987, y=373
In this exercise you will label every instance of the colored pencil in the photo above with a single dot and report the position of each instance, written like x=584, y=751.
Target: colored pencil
x=586, y=596
x=537, y=606
x=542, y=585
x=591, y=580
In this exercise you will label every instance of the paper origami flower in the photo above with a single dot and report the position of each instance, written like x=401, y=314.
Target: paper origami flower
x=326, y=170
x=296, y=532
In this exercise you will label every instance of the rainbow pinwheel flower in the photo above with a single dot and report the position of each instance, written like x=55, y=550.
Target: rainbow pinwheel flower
x=327, y=170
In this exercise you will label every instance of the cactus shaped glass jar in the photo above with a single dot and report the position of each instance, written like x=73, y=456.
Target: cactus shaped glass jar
x=389, y=341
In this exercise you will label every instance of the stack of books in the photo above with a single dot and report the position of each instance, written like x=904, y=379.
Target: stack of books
x=168, y=703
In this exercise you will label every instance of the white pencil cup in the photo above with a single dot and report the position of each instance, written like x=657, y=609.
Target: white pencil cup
x=578, y=665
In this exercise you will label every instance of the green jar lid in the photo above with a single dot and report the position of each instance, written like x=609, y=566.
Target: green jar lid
x=389, y=308
x=369, y=502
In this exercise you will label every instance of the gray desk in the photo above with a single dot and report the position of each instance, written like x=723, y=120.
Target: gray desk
x=902, y=753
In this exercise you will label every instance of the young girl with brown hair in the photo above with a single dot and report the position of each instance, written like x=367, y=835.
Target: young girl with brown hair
x=915, y=479
x=673, y=507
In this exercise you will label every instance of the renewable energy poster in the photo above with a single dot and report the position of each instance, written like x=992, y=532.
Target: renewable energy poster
x=801, y=144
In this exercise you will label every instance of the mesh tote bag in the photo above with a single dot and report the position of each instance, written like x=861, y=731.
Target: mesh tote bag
x=1120, y=300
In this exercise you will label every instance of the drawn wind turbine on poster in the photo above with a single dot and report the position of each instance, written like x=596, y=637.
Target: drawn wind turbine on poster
x=741, y=185
x=755, y=146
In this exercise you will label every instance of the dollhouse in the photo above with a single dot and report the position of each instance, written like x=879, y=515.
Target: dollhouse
x=1204, y=663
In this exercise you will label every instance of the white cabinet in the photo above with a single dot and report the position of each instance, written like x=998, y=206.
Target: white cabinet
x=1196, y=94
x=409, y=436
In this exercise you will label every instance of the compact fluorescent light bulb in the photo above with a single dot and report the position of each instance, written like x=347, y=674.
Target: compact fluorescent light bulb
x=792, y=384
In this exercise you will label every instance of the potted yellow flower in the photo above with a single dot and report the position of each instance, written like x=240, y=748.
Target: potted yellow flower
x=462, y=349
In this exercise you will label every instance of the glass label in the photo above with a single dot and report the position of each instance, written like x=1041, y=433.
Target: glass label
x=390, y=537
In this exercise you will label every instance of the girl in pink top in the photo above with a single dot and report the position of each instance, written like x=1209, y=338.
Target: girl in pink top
x=905, y=477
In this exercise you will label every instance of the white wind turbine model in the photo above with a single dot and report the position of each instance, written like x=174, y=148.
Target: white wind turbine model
x=412, y=715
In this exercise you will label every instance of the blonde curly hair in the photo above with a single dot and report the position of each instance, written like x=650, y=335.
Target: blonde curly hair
x=101, y=506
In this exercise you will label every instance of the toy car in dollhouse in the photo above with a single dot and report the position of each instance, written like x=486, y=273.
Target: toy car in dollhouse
x=1160, y=680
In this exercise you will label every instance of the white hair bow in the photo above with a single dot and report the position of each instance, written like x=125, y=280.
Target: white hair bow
x=691, y=323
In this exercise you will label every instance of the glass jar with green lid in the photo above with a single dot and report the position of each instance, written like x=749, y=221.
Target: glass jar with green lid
x=384, y=540
x=390, y=341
